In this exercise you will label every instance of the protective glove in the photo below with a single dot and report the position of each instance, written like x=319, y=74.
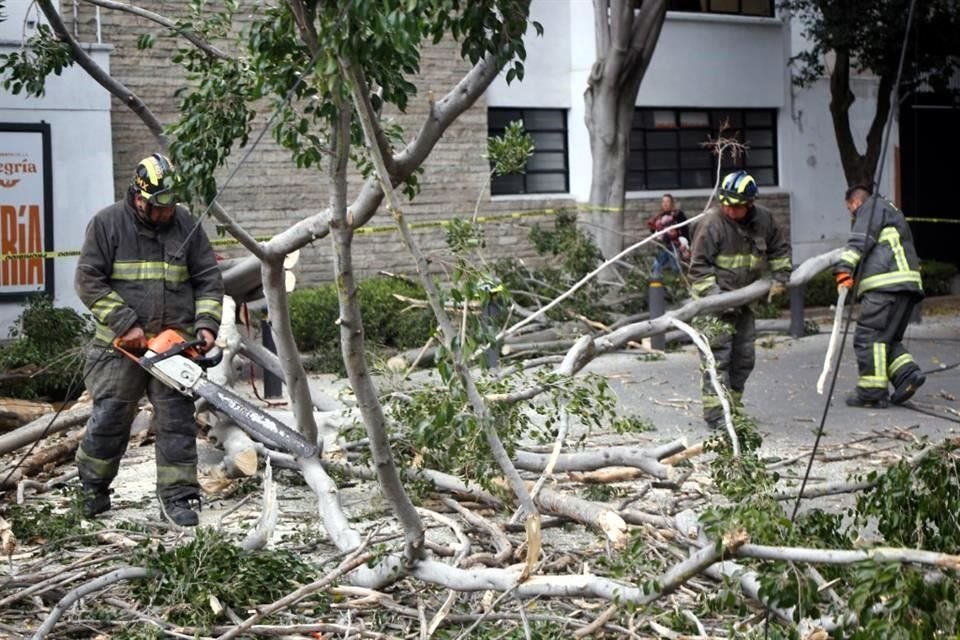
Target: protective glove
x=776, y=288
x=684, y=242
x=209, y=340
x=134, y=340
x=844, y=280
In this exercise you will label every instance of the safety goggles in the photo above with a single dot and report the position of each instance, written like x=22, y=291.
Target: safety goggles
x=165, y=198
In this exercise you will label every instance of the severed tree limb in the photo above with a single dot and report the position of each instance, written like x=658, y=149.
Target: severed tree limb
x=678, y=574
x=632, y=332
x=882, y=555
x=240, y=452
x=259, y=536
x=500, y=541
x=590, y=513
x=623, y=456
x=44, y=426
x=34, y=463
x=104, y=581
x=711, y=365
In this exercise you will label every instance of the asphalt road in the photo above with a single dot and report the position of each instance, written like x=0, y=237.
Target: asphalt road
x=781, y=393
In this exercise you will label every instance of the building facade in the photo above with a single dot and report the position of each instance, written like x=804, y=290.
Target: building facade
x=717, y=61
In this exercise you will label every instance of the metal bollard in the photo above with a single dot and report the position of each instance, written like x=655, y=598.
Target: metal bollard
x=272, y=385
x=490, y=312
x=796, y=311
x=657, y=303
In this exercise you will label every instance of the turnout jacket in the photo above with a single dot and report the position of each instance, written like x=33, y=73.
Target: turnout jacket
x=728, y=255
x=881, y=233
x=133, y=273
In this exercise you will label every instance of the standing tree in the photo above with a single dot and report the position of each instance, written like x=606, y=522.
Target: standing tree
x=866, y=36
x=626, y=33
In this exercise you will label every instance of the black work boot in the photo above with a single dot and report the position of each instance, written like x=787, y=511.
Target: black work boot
x=854, y=399
x=908, y=387
x=181, y=511
x=95, y=500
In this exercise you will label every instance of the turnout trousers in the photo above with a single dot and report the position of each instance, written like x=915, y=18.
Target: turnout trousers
x=116, y=384
x=735, y=354
x=881, y=357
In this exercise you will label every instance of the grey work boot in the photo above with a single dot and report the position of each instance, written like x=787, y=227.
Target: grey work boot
x=180, y=511
x=95, y=500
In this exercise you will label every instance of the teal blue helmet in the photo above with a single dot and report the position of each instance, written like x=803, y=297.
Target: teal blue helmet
x=738, y=188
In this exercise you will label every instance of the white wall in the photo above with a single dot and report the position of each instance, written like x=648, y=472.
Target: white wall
x=78, y=112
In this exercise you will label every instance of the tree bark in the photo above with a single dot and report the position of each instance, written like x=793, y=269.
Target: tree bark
x=858, y=168
x=625, y=42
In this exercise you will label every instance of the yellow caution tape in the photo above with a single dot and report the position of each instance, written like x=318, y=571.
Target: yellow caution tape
x=947, y=220
x=365, y=230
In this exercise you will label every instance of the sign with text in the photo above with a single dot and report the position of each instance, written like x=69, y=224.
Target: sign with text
x=26, y=211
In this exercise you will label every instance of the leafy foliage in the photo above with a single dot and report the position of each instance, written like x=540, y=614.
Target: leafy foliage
x=45, y=524
x=210, y=565
x=48, y=341
x=509, y=153
x=916, y=505
x=873, y=34
x=389, y=323
x=297, y=67
x=571, y=255
x=26, y=70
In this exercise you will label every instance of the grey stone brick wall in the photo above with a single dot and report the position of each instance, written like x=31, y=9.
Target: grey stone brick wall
x=268, y=193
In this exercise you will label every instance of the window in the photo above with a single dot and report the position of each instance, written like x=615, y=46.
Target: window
x=667, y=152
x=737, y=7
x=547, y=170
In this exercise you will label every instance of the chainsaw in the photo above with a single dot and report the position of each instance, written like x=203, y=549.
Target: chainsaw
x=179, y=364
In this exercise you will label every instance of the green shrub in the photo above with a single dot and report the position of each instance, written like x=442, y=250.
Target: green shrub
x=821, y=291
x=48, y=342
x=388, y=323
x=937, y=277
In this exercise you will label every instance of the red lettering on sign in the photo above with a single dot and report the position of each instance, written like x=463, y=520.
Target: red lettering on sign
x=21, y=232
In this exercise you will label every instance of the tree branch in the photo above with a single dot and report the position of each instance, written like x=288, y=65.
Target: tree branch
x=191, y=36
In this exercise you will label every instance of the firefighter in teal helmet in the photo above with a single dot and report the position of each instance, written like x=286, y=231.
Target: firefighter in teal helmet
x=735, y=245
x=143, y=268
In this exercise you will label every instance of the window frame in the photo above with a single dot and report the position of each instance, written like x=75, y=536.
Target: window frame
x=503, y=185
x=771, y=10
x=693, y=166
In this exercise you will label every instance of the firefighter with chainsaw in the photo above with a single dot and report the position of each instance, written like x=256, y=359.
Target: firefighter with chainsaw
x=145, y=266
x=881, y=263
x=732, y=247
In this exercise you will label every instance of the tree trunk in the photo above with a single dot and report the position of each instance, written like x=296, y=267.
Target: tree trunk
x=858, y=168
x=625, y=42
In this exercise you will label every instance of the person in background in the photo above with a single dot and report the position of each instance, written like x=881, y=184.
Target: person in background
x=145, y=266
x=888, y=288
x=733, y=246
x=675, y=244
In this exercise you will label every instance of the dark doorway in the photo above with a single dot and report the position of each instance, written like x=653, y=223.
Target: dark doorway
x=929, y=133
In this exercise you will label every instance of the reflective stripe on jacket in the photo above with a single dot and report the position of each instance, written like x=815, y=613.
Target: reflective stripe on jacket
x=130, y=273
x=728, y=255
x=881, y=233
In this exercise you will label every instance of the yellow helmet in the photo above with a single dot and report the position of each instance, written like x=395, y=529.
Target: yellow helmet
x=156, y=180
x=738, y=188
